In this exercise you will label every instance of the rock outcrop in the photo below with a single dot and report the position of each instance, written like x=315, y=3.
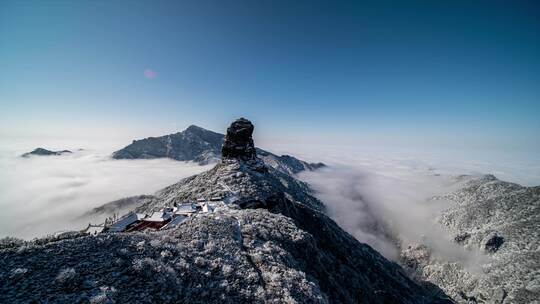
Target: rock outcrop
x=238, y=141
x=238, y=146
x=44, y=152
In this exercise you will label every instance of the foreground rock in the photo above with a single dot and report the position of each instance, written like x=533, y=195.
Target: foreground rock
x=231, y=256
x=204, y=147
x=499, y=224
x=271, y=244
x=44, y=152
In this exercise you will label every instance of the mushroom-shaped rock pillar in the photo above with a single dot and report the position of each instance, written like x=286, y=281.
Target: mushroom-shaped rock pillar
x=238, y=141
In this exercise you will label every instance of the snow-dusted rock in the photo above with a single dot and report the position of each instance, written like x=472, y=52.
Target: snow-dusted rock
x=499, y=223
x=230, y=256
x=193, y=144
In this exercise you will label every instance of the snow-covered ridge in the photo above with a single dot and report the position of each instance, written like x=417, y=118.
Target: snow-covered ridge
x=498, y=223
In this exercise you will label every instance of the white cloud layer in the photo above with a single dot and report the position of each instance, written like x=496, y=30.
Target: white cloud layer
x=381, y=197
x=43, y=194
x=380, y=206
x=374, y=194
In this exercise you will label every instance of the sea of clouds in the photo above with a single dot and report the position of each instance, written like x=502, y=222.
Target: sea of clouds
x=384, y=196
x=377, y=195
x=41, y=195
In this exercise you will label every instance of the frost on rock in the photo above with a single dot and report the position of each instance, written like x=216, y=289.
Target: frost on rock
x=248, y=256
x=66, y=275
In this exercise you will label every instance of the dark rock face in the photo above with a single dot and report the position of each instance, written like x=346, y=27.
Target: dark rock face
x=238, y=141
x=493, y=243
x=44, y=152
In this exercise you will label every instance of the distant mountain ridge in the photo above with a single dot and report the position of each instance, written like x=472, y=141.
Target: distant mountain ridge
x=193, y=144
x=44, y=152
x=202, y=146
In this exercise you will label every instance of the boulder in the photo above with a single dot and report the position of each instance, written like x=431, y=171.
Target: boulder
x=492, y=242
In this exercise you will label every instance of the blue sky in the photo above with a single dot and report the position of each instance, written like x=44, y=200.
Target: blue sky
x=448, y=73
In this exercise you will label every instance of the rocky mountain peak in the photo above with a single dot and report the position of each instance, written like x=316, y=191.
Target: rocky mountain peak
x=204, y=146
x=238, y=141
x=195, y=129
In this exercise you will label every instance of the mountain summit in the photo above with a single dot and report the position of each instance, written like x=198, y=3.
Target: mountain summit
x=193, y=144
x=204, y=147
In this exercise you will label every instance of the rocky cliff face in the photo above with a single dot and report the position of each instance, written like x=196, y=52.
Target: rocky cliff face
x=271, y=244
x=498, y=223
